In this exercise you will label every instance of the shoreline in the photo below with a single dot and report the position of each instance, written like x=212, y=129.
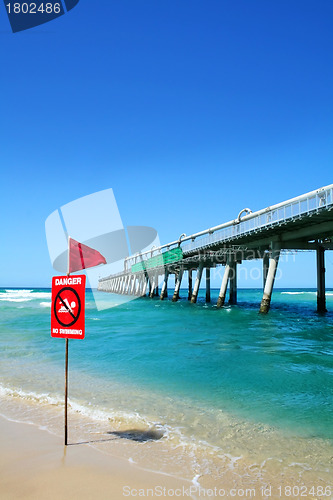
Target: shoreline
x=36, y=464
x=103, y=465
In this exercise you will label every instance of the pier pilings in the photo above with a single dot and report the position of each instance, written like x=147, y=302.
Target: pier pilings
x=233, y=282
x=145, y=285
x=224, y=285
x=321, y=296
x=177, y=285
x=190, y=287
x=133, y=284
x=164, y=291
x=207, y=284
x=272, y=268
x=265, y=264
x=197, y=283
x=152, y=286
x=156, y=286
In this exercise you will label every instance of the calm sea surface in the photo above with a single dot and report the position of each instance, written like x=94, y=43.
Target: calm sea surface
x=197, y=375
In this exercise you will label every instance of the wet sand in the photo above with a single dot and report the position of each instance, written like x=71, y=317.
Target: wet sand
x=34, y=464
x=98, y=465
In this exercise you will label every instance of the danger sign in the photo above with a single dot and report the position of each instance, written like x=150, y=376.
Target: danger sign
x=67, y=309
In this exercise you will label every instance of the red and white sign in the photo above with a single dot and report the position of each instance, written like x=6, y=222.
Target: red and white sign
x=67, y=307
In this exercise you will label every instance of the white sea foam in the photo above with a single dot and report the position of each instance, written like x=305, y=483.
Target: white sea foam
x=45, y=304
x=16, y=421
x=233, y=460
x=14, y=299
x=298, y=293
x=31, y=396
x=22, y=295
x=301, y=465
x=195, y=480
x=93, y=413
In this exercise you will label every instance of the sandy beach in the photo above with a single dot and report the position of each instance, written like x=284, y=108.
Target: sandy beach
x=34, y=465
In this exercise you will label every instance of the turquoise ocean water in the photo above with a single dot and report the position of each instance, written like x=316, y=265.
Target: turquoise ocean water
x=229, y=381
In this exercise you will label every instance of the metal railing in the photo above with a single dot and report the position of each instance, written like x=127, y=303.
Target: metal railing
x=282, y=213
x=278, y=214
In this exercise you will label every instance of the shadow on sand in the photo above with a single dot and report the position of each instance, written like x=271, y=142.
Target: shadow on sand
x=137, y=435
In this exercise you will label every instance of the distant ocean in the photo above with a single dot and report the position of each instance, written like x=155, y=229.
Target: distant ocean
x=225, y=386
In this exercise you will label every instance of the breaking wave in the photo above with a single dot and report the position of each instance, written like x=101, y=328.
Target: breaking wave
x=20, y=295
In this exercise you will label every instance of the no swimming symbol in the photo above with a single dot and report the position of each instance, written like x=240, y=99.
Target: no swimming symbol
x=67, y=306
x=23, y=15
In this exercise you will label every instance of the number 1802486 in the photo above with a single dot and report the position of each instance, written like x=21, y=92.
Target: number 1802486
x=304, y=491
x=32, y=8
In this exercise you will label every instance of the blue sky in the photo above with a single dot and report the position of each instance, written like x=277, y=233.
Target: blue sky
x=190, y=110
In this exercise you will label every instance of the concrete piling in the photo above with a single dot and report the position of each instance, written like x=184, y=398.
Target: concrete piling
x=127, y=291
x=144, y=287
x=152, y=286
x=177, y=285
x=156, y=286
x=133, y=284
x=137, y=285
x=321, y=292
x=207, y=284
x=164, y=290
x=125, y=285
x=190, y=289
x=265, y=264
x=233, y=282
x=197, y=284
x=224, y=285
x=273, y=263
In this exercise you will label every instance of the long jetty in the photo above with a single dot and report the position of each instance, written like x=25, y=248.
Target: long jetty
x=301, y=223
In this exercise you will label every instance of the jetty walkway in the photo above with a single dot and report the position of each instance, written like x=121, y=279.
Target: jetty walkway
x=301, y=223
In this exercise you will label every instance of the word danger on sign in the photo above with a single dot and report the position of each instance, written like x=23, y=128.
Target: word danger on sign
x=68, y=280
x=68, y=307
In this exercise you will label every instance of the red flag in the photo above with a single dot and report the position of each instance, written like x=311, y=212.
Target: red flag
x=81, y=256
